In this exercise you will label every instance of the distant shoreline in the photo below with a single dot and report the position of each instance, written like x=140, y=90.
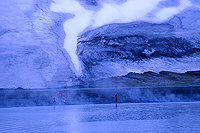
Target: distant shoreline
x=80, y=96
x=96, y=88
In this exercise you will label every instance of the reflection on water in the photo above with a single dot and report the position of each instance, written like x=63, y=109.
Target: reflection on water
x=100, y=118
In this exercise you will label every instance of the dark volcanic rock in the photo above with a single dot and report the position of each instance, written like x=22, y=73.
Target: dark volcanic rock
x=170, y=74
x=196, y=73
x=91, y=2
x=19, y=88
x=149, y=79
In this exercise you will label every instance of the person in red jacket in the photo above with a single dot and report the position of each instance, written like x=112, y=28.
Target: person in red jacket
x=59, y=94
x=116, y=97
x=54, y=99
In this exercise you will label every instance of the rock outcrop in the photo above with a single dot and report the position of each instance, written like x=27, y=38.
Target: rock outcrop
x=150, y=79
x=117, y=49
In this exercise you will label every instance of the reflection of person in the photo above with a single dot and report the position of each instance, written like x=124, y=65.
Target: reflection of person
x=64, y=98
x=116, y=97
x=116, y=105
x=54, y=99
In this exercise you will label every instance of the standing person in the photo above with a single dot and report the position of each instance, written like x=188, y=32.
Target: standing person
x=59, y=94
x=64, y=98
x=54, y=99
x=116, y=97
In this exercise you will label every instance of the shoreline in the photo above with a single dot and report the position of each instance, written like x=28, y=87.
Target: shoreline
x=79, y=96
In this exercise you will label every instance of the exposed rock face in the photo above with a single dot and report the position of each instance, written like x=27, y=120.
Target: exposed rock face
x=150, y=79
x=135, y=47
x=196, y=73
x=90, y=2
x=31, y=46
x=116, y=49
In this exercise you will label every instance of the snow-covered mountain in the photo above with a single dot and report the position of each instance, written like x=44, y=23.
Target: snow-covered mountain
x=31, y=50
x=116, y=49
x=37, y=48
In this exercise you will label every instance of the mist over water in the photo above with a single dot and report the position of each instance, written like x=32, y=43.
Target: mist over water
x=77, y=96
x=108, y=13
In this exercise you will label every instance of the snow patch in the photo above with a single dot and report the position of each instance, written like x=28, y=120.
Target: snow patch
x=129, y=11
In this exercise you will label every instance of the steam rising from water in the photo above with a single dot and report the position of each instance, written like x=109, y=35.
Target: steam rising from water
x=129, y=11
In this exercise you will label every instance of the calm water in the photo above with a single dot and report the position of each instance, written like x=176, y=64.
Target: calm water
x=108, y=118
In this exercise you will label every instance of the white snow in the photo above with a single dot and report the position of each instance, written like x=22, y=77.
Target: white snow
x=129, y=11
x=106, y=118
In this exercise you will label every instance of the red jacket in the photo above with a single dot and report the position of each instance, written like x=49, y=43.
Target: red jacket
x=54, y=99
x=64, y=98
x=59, y=94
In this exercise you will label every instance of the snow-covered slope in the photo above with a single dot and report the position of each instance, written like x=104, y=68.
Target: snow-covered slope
x=31, y=46
x=33, y=52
